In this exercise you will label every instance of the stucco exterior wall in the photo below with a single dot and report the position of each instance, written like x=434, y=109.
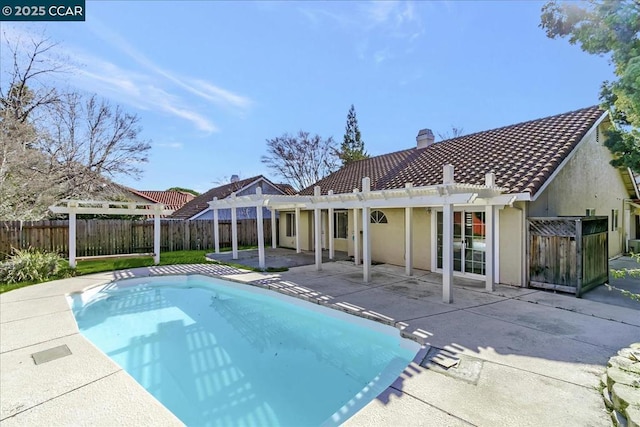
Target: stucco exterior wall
x=587, y=181
x=387, y=240
x=306, y=242
x=421, y=238
x=511, y=239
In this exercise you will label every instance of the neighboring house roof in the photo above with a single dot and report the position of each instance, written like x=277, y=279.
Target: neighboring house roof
x=200, y=203
x=286, y=189
x=522, y=156
x=172, y=200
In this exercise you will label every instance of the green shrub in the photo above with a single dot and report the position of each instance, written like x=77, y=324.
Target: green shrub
x=30, y=265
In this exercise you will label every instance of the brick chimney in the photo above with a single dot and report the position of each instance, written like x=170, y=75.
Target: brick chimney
x=425, y=138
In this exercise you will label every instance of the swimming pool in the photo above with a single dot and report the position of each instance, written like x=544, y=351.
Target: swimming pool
x=216, y=352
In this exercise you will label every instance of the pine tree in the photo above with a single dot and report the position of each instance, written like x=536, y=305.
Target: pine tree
x=352, y=147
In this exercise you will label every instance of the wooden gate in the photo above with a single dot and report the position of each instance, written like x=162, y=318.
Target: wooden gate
x=569, y=254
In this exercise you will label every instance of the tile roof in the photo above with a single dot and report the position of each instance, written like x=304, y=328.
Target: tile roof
x=200, y=203
x=350, y=176
x=286, y=189
x=522, y=156
x=173, y=200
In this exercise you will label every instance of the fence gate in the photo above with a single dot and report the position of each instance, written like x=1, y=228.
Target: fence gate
x=568, y=254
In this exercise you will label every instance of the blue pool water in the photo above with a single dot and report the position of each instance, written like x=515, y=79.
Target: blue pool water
x=224, y=354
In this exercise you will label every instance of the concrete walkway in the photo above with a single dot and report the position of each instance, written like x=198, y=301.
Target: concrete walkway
x=525, y=357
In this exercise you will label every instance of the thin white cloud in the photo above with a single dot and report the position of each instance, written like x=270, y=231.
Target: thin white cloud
x=208, y=91
x=375, y=25
x=173, y=145
x=147, y=88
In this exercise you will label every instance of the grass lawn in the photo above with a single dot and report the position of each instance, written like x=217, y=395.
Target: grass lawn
x=112, y=264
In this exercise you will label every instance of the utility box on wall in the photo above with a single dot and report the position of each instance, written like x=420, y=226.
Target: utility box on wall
x=568, y=254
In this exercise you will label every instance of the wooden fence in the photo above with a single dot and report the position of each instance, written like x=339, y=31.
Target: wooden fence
x=119, y=236
x=569, y=254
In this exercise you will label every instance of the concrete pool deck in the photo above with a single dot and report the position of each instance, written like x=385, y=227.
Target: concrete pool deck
x=526, y=357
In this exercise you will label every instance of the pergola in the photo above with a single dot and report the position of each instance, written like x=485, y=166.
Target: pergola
x=99, y=207
x=445, y=196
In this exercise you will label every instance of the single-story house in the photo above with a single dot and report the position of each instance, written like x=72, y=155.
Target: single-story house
x=461, y=206
x=171, y=199
x=198, y=207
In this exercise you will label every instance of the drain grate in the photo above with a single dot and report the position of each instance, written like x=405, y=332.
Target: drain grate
x=51, y=354
x=455, y=365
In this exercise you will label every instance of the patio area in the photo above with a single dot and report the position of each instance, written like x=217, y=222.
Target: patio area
x=277, y=258
x=521, y=356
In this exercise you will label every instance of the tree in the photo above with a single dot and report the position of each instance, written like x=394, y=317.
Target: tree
x=57, y=145
x=608, y=27
x=352, y=147
x=184, y=190
x=454, y=132
x=301, y=159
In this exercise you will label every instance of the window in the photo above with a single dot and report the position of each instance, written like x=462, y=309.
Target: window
x=378, y=217
x=290, y=224
x=591, y=212
x=341, y=222
x=614, y=219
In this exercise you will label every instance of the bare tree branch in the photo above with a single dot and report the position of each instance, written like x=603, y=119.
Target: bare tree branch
x=301, y=160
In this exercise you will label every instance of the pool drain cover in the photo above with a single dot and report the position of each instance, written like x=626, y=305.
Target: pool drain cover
x=458, y=366
x=51, y=354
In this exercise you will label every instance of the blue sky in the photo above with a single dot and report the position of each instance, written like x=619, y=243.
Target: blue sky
x=212, y=81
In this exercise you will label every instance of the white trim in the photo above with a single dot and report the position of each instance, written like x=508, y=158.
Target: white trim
x=434, y=239
x=570, y=156
x=496, y=254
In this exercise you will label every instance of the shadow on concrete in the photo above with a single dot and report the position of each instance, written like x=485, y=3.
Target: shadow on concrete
x=277, y=257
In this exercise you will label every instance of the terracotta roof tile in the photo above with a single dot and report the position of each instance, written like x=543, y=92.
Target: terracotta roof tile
x=522, y=156
x=171, y=199
x=350, y=176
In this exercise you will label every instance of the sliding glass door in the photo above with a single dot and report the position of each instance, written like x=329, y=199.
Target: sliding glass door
x=468, y=242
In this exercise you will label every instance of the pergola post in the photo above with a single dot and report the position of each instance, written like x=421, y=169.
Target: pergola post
x=408, y=238
x=156, y=234
x=447, y=252
x=297, y=219
x=330, y=232
x=356, y=239
x=216, y=229
x=234, y=229
x=366, y=242
x=447, y=240
x=72, y=235
x=317, y=231
x=260, y=226
x=274, y=229
x=489, y=227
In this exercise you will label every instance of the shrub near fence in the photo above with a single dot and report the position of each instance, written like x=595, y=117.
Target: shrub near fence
x=122, y=236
